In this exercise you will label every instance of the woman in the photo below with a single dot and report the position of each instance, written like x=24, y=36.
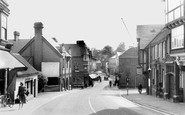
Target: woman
x=21, y=95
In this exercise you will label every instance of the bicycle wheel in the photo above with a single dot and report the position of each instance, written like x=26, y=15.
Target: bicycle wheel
x=10, y=103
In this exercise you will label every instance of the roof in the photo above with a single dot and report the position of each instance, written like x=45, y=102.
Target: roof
x=130, y=53
x=7, y=60
x=51, y=45
x=161, y=36
x=18, y=44
x=146, y=33
x=30, y=70
x=75, y=49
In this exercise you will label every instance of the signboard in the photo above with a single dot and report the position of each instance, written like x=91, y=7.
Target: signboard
x=50, y=69
x=139, y=70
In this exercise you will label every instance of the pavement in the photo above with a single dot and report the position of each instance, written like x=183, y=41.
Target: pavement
x=33, y=104
x=165, y=106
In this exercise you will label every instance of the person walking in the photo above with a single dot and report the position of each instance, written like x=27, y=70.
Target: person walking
x=140, y=87
x=110, y=83
x=21, y=95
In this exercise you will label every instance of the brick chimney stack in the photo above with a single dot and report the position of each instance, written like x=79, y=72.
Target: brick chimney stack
x=38, y=45
x=16, y=35
x=38, y=28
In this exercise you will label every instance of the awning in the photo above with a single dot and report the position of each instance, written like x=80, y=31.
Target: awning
x=9, y=61
x=93, y=76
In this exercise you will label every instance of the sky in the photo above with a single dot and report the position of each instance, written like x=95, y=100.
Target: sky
x=97, y=22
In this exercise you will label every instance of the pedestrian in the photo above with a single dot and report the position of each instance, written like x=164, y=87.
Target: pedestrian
x=140, y=87
x=21, y=95
x=110, y=83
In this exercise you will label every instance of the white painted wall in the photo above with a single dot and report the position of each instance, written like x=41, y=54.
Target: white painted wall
x=50, y=69
x=23, y=79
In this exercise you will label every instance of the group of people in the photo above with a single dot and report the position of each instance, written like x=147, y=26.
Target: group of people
x=21, y=95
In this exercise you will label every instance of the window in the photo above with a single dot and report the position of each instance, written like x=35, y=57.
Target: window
x=163, y=52
x=4, y=27
x=156, y=51
x=160, y=50
x=174, y=10
x=181, y=79
x=177, y=37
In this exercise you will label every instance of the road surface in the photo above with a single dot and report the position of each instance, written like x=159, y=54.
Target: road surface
x=97, y=100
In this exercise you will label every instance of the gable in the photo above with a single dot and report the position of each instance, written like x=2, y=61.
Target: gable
x=130, y=53
x=48, y=54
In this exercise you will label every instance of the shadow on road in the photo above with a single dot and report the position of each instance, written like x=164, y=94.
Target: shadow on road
x=119, y=111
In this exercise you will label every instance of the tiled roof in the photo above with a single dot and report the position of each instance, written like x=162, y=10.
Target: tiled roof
x=30, y=70
x=130, y=53
x=75, y=49
x=18, y=45
x=146, y=33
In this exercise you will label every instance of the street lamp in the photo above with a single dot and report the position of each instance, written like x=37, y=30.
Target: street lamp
x=148, y=80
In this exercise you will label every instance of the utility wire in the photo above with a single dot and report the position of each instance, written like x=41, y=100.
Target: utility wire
x=127, y=30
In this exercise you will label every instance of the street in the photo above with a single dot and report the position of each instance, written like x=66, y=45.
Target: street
x=97, y=100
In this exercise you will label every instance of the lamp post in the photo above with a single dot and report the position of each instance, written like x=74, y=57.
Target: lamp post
x=148, y=81
x=127, y=80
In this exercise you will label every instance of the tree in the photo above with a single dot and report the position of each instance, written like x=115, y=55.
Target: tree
x=107, y=51
x=42, y=81
x=96, y=53
x=121, y=47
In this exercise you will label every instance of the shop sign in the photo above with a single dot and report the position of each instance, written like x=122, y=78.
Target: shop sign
x=28, y=79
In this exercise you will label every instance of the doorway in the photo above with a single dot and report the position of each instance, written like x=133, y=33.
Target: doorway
x=170, y=85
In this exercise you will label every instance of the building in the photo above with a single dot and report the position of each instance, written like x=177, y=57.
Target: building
x=80, y=69
x=128, y=62
x=29, y=78
x=113, y=63
x=175, y=21
x=9, y=65
x=145, y=34
x=43, y=55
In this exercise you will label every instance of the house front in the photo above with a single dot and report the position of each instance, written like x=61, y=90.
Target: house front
x=128, y=62
x=175, y=21
x=80, y=62
x=29, y=78
x=43, y=55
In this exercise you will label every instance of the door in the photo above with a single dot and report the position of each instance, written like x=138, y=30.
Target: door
x=170, y=85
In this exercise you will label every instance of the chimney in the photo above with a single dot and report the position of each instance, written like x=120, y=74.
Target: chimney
x=38, y=28
x=55, y=39
x=16, y=35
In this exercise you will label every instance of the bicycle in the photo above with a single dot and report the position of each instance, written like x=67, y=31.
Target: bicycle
x=6, y=100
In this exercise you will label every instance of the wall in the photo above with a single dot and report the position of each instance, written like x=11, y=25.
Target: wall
x=49, y=55
x=128, y=65
x=23, y=79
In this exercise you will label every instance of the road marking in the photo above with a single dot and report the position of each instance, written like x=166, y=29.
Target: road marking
x=91, y=105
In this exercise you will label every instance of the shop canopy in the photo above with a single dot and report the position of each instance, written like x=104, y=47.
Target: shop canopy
x=9, y=61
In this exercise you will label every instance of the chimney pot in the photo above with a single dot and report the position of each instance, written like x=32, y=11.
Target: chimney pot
x=16, y=35
x=38, y=28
